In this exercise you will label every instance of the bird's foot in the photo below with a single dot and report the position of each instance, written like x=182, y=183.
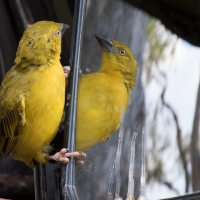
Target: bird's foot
x=62, y=156
x=66, y=70
x=79, y=159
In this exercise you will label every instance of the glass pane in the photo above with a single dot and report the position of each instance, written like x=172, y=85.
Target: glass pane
x=172, y=93
x=119, y=21
x=166, y=93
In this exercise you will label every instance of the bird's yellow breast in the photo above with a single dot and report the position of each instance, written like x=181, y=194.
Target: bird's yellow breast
x=44, y=103
x=102, y=100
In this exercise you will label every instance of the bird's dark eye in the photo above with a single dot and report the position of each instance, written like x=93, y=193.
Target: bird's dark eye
x=58, y=33
x=122, y=52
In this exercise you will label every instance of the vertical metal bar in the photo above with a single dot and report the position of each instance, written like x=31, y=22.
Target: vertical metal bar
x=40, y=182
x=57, y=174
x=68, y=171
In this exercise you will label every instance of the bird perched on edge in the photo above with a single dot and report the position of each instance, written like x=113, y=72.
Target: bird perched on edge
x=104, y=96
x=32, y=96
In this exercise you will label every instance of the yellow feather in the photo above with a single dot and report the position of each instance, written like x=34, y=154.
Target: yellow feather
x=104, y=96
x=32, y=95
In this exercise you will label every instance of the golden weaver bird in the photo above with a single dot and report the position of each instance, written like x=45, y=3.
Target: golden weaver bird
x=32, y=96
x=104, y=96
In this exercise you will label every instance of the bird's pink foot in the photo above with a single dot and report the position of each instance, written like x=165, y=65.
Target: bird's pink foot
x=62, y=156
x=79, y=159
x=66, y=70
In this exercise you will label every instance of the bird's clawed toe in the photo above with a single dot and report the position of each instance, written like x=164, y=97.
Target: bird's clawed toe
x=63, y=156
x=66, y=70
x=79, y=159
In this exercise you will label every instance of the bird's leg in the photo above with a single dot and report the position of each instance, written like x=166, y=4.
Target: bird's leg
x=62, y=156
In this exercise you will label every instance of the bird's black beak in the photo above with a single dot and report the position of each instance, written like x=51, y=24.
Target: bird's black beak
x=64, y=27
x=105, y=42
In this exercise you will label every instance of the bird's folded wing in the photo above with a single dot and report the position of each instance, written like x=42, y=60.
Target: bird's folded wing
x=10, y=128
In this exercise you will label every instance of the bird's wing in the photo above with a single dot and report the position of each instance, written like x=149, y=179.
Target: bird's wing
x=11, y=122
x=9, y=129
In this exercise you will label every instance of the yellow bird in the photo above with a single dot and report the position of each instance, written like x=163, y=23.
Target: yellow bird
x=32, y=96
x=104, y=96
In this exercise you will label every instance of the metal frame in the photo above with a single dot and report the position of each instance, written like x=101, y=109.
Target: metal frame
x=192, y=196
x=68, y=170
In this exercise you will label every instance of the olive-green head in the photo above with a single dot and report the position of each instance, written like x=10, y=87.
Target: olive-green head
x=117, y=57
x=40, y=43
